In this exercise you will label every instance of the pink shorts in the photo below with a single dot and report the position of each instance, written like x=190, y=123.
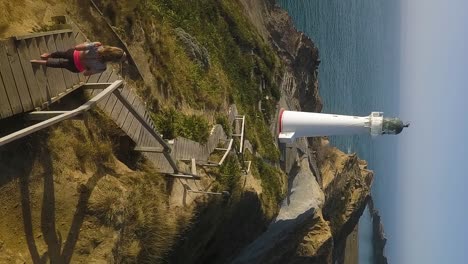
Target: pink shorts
x=76, y=60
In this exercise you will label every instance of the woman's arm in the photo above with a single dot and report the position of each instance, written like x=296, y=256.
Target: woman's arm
x=87, y=46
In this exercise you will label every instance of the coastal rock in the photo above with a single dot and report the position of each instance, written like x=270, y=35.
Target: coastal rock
x=318, y=235
x=300, y=56
x=317, y=242
x=303, y=202
x=347, y=186
x=378, y=235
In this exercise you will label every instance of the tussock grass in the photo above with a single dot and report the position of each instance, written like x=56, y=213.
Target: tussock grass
x=151, y=228
x=71, y=148
x=135, y=204
x=273, y=182
x=46, y=27
x=229, y=174
x=109, y=201
x=82, y=145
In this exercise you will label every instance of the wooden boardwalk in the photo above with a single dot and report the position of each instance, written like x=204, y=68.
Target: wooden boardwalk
x=25, y=87
x=185, y=149
x=126, y=119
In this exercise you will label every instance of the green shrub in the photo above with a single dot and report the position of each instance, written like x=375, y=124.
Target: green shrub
x=229, y=173
x=171, y=124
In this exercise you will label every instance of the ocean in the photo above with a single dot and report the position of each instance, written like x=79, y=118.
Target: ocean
x=358, y=42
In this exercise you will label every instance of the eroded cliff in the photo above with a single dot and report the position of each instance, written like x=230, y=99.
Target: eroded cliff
x=313, y=223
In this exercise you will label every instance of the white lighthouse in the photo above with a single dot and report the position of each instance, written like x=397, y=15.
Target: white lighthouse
x=293, y=124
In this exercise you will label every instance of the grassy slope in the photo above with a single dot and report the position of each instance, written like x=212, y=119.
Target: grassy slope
x=67, y=198
x=239, y=61
x=239, y=55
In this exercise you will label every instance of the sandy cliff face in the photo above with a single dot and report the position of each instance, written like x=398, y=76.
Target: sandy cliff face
x=347, y=183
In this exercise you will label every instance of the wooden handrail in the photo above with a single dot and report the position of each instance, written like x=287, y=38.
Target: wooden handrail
x=41, y=34
x=67, y=115
x=226, y=153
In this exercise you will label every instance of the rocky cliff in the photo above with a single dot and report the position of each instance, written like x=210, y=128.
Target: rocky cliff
x=347, y=183
x=298, y=52
x=328, y=189
x=314, y=221
x=378, y=235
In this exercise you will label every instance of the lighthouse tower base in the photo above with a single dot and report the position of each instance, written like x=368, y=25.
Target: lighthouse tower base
x=286, y=137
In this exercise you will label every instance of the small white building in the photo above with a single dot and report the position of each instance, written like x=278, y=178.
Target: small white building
x=293, y=124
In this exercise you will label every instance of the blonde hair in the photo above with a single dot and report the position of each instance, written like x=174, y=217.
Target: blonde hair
x=109, y=53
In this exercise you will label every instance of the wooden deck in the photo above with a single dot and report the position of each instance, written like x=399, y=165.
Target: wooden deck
x=186, y=149
x=25, y=87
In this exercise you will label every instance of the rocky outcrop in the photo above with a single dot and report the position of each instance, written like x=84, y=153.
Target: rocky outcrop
x=303, y=202
x=317, y=242
x=378, y=235
x=300, y=56
x=314, y=222
x=347, y=184
x=306, y=231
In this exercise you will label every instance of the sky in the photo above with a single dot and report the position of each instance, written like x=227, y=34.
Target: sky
x=432, y=170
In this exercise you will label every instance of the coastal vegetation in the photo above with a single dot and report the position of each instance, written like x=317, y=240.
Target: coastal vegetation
x=198, y=58
x=242, y=67
x=171, y=124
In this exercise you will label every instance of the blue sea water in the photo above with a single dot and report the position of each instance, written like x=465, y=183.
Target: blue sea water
x=358, y=42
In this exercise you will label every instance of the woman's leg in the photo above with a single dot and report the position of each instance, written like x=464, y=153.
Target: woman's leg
x=41, y=62
x=58, y=55
x=59, y=59
x=61, y=63
x=68, y=54
x=56, y=63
